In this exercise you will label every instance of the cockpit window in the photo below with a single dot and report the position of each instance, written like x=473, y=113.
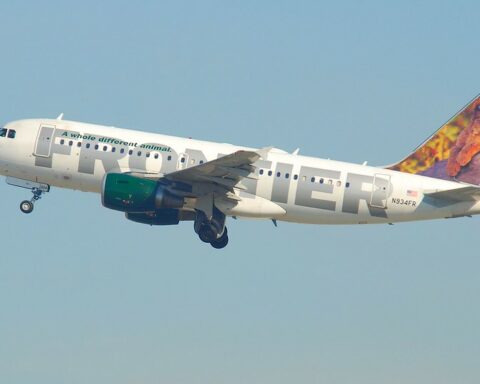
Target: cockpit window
x=3, y=132
x=11, y=134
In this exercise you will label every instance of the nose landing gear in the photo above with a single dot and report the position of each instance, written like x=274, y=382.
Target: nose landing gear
x=26, y=206
x=37, y=189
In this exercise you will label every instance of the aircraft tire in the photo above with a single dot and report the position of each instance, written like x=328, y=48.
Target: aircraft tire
x=221, y=242
x=206, y=234
x=26, y=206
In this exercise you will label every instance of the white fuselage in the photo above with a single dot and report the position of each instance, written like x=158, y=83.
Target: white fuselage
x=309, y=190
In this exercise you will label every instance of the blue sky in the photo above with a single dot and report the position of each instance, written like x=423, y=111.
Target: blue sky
x=88, y=297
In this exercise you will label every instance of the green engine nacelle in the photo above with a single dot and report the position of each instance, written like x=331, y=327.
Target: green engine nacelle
x=128, y=193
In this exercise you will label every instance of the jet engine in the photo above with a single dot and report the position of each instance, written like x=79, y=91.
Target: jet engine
x=131, y=194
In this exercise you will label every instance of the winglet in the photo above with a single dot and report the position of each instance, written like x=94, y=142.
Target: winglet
x=263, y=152
x=60, y=117
x=295, y=152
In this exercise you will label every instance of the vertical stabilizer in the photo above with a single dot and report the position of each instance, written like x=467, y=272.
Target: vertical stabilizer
x=451, y=153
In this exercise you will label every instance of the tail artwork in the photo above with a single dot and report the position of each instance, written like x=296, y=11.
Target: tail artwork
x=451, y=153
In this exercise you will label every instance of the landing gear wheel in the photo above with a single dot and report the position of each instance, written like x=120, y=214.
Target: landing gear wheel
x=26, y=206
x=221, y=242
x=207, y=234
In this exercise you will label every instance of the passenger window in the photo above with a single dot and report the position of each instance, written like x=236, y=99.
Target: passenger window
x=70, y=143
x=200, y=162
x=261, y=172
x=148, y=154
x=169, y=158
x=182, y=160
x=278, y=174
x=339, y=183
x=295, y=177
x=122, y=150
x=3, y=132
x=321, y=181
x=114, y=149
x=270, y=173
x=11, y=134
x=139, y=153
x=312, y=179
x=96, y=146
x=79, y=144
x=88, y=145
x=347, y=185
x=330, y=181
x=105, y=148
x=130, y=152
x=287, y=175
x=62, y=142
x=156, y=156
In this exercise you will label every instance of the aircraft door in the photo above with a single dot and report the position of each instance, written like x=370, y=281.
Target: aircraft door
x=380, y=191
x=44, y=141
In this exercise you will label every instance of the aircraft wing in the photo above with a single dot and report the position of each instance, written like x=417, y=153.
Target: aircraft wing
x=217, y=180
x=226, y=171
x=467, y=193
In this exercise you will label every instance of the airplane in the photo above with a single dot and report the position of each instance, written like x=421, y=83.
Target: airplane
x=156, y=179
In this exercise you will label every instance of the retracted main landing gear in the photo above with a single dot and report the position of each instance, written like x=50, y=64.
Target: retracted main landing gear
x=38, y=189
x=212, y=231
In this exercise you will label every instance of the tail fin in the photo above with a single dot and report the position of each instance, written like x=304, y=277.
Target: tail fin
x=451, y=153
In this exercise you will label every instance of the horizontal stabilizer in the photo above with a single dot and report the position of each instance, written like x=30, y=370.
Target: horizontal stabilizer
x=468, y=193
